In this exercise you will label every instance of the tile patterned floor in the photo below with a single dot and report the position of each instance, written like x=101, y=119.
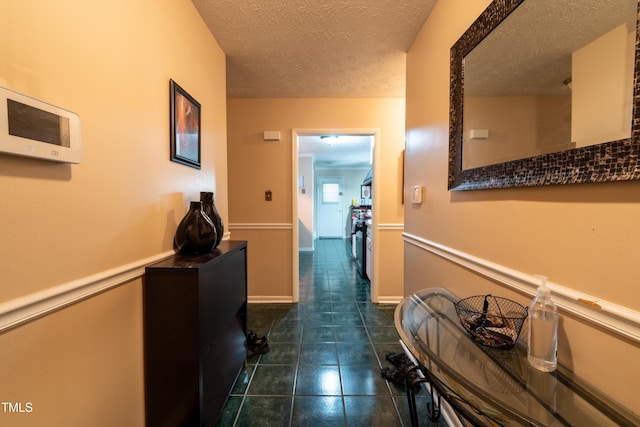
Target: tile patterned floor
x=323, y=367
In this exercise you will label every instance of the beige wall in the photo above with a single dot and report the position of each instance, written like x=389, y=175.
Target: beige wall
x=583, y=237
x=537, y=125
x=63, y=225
x=256, y=166
x=602, y=79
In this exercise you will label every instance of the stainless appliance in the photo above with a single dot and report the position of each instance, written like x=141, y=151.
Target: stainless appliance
x=359, y=241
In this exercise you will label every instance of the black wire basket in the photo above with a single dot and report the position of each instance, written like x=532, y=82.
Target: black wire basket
x=491, y=321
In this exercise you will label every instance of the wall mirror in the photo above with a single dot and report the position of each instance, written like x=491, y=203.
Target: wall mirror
x=545, y=92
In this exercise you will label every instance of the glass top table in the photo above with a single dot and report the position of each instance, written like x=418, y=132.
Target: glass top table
x=489, y=387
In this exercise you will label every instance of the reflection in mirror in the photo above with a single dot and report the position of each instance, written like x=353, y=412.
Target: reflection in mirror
x=547, y=95
x=554, y=75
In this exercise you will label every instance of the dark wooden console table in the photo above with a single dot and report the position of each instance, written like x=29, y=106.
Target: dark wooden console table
x=489, y=387
x=194, y=334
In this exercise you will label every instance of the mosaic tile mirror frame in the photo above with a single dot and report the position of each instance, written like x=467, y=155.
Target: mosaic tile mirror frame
x=615, y=158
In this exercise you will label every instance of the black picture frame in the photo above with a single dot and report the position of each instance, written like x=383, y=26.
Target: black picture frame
x=185, y=127
x=365, y=191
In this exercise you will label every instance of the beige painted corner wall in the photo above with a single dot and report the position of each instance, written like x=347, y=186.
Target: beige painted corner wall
x=256, y=165
x=583, y=237
x=540, y=124
x=64, y=225
x=305, y=203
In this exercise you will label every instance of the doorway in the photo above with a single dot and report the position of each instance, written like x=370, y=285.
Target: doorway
x=305, y=184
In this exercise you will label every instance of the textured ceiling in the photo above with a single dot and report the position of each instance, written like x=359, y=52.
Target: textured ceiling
x=530, y=52
x=315, y=48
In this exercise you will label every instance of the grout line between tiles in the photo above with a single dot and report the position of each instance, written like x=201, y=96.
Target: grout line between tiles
x=330, y=281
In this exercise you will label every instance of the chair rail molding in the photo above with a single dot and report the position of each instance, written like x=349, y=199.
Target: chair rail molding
x=390, y=226
x=18, y=311
x=260, y=226
x=612, y=317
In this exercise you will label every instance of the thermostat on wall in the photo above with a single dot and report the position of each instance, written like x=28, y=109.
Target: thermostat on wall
x=29, y=127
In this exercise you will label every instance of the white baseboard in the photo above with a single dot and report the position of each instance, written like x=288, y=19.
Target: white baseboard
x=389, y=300
x=270, y=299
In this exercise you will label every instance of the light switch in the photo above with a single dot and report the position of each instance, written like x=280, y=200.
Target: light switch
x=268, y=196
x=416, y=194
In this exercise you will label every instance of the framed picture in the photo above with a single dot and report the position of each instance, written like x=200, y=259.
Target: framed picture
x=185, y=127
x=365, y=191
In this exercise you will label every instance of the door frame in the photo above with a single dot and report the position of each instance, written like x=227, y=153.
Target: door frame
x=295, y=133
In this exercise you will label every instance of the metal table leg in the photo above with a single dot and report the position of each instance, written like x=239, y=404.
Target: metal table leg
x=412, y=384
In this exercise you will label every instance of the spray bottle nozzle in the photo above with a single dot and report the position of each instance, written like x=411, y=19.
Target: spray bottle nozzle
x=543, y=289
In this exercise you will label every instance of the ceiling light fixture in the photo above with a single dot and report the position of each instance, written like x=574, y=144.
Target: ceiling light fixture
x=329, y=139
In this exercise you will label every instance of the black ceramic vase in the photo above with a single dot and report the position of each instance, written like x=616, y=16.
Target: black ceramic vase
x=209, y=207
x=196, y=233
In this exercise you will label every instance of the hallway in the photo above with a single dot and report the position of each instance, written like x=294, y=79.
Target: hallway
x=323, y=367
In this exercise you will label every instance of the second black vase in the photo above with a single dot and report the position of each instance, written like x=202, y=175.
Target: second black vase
x=209, y=207
x=196, y=233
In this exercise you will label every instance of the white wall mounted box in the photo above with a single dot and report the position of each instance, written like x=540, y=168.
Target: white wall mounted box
x=272, y=135
x=479, y=134
x=32, y=128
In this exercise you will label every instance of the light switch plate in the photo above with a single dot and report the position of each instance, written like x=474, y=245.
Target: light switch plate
x=416, y=194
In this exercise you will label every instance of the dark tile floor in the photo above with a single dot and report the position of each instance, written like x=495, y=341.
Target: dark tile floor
x=323, y=367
